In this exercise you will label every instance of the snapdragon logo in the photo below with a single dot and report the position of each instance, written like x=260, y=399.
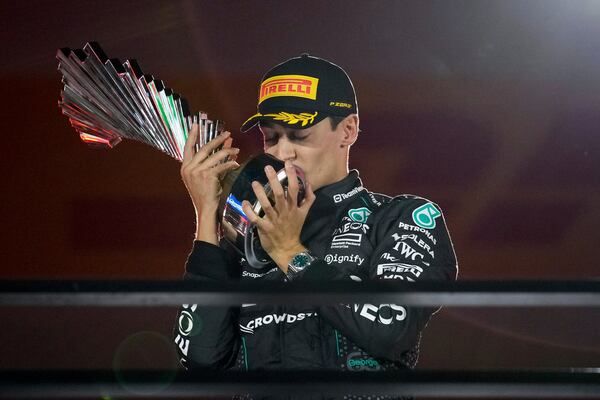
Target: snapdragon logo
x=360, y=362
x=274, y=319
x=338, y=198
x=256, y=274
x=251, y=274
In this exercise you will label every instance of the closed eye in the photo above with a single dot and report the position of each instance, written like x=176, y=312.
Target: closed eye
x=299, y=136
x=293, y=136
x=270, y=141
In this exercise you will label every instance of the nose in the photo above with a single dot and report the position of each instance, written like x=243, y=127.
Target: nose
x=284, y=150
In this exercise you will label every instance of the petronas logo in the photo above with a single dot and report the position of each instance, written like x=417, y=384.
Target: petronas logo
x=359, y=214
x=425, y=216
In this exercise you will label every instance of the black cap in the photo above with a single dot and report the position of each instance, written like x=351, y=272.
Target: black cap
x=301, y=92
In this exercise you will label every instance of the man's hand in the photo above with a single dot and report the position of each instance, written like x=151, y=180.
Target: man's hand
x=201, y=173
x=279, y=229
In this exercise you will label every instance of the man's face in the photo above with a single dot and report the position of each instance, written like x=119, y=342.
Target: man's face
x=316, y=150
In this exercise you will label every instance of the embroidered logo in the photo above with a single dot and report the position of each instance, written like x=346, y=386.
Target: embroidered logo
x=289, y=85
x=359, y=214
x=425, y=216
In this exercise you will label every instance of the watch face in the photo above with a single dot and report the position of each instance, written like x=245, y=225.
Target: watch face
x=300, y=260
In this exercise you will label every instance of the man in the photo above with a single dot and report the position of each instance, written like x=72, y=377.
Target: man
x=308, y=115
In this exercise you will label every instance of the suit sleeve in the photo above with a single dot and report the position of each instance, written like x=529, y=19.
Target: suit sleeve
x=207, y=337
x=410, y=243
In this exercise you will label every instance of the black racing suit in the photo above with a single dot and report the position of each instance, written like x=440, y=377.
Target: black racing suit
x=355, y=235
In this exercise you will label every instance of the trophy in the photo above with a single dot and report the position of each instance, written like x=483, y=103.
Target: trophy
x=237, y=185
x=107, y=101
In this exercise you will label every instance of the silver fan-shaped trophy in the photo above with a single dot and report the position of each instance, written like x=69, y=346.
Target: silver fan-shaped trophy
x=106, y=101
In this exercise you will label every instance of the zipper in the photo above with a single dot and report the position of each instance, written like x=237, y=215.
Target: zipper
x=337, y=342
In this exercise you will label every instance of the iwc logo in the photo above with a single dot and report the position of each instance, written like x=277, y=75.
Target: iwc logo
x=425, y=216
x=359, y=214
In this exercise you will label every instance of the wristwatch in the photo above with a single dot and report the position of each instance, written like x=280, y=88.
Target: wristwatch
x=298, y=264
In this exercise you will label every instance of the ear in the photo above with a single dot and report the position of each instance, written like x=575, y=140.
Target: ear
x=349, y=127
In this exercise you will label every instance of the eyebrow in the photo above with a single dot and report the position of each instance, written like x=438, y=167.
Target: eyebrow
x=288, y=131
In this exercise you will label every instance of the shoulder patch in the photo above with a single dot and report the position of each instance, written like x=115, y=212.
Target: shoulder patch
x=359, y=214
x=425, y=215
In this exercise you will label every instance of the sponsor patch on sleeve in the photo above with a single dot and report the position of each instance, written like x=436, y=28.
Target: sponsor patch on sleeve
x=359, y=214
x=425, y=215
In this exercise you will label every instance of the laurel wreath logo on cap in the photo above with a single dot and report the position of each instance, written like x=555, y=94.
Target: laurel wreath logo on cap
x=289, y=118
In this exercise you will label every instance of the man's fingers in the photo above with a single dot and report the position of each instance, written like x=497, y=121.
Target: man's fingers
x=188, y=148
x=206, y=150
x=219, y=156
x=229, y=231
x=259, y=191
x=216, y=142
x=222, y=168
x=252, y=217
x=227, y=145
x=309, y=196
x=292, y=184
x=276, y=188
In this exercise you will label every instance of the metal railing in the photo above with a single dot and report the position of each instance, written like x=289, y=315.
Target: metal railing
x=574, y=383
x=166, y=293
x=530, y=384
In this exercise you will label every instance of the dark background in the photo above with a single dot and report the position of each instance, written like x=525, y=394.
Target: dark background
x=489, y=108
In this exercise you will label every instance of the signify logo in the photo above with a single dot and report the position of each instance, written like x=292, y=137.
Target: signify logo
x=340, y=259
